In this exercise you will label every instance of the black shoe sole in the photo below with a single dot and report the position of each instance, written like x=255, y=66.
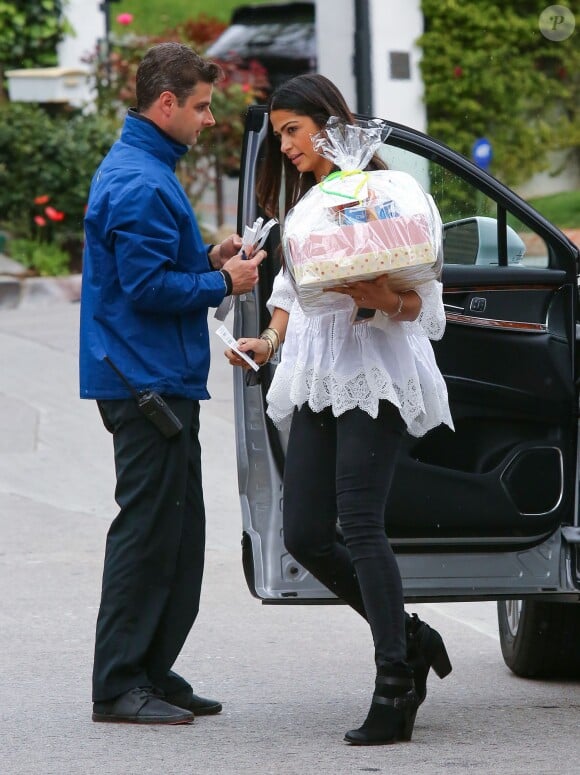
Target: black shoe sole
x=212, y=710
x=404, y=737
x=171, y=721
x=377, y=742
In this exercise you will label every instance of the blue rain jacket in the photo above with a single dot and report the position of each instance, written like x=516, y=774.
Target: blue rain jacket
x=147, y=282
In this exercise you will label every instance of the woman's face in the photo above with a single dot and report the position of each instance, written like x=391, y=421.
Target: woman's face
x=294, y=131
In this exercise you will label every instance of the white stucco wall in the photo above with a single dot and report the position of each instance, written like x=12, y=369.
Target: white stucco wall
x=395, y=25
x=335, y=45
x=88, y=23
x=563, y=176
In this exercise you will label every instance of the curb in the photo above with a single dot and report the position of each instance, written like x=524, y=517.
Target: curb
x=21, y=292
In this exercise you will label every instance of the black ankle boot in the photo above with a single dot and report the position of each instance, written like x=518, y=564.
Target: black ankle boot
x=393, y=709
x=425, y=650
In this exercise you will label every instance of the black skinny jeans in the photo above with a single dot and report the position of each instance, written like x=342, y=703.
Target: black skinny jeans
x=343, y=466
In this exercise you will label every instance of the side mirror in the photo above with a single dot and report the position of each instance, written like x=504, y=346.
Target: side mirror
x=473, y=241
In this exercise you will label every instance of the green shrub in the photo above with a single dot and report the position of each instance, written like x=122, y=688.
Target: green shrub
x=30, y=31
x=45, y=258
x=46, y=166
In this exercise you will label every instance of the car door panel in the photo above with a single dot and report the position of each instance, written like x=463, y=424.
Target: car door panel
x=505, y=472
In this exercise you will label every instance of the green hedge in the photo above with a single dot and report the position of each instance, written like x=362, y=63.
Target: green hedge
x=30, y=31
x=489, y=72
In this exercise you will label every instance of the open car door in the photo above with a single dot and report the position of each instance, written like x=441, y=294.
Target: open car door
x=488, y=511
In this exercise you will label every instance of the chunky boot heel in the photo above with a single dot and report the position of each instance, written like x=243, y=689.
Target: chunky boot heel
x=425, y=650
x=391, y=717
x=409, y=724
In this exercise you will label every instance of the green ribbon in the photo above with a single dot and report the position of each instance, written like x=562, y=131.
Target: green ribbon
x=344, y=174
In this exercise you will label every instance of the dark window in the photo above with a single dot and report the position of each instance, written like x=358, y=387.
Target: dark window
x=400, y=65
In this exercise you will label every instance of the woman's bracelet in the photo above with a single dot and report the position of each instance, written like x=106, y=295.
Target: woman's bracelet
x=397, y=311
x=270, y=349
x=271, y=336
x=271, y=333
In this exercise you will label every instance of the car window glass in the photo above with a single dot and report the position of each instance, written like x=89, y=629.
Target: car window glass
x=469, y=216
x=535, y=248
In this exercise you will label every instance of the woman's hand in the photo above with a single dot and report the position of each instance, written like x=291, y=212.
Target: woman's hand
x=377, y=294
x=371, y=294
x=258, y=349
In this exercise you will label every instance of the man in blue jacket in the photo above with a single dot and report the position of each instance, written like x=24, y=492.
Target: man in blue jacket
x=148, y=281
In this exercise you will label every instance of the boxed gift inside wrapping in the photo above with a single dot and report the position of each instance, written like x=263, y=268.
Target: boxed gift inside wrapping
x=361, y=251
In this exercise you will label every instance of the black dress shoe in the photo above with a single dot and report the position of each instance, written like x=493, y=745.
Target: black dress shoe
x=199, y=706
x=140, y=706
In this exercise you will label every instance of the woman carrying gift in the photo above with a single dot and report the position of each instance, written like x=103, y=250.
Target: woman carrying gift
x=350, y=390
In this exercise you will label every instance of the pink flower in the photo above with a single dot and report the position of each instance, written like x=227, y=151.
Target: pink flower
x=125, y=18
x=458, y=72
x=39, y=220
x=42, y=200
x=54, y=214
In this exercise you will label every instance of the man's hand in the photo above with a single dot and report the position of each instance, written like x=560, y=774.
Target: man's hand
x=225, y=250
x=244, y=272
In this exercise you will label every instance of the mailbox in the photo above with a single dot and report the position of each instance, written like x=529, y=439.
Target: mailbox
x=49, y=84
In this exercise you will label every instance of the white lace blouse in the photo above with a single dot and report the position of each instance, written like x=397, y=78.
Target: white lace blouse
x=328, y=361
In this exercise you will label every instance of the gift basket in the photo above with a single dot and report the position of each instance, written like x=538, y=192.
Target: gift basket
x=357, y=224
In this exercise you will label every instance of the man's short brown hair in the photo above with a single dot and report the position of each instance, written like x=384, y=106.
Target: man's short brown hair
x=172, y=67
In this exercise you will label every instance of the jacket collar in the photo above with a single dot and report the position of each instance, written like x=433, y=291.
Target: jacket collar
x=145, y=134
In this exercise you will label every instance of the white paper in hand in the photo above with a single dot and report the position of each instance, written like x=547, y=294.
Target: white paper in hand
x=226, y=337
x=252, y=240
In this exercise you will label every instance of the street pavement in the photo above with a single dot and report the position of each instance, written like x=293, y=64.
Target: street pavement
x=292, y=679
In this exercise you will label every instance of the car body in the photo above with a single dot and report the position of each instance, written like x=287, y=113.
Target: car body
x=490, y=511
x=281, y=37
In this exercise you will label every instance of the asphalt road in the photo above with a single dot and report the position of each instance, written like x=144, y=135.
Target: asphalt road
x=292, y=679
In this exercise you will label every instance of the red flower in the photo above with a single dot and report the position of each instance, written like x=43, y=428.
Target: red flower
x=39, y=220
x=42, y=200
x=457, y=72
x=125, y=18
x=562, y=72
x=53, y=214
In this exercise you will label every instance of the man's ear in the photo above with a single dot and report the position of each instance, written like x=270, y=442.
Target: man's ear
x=167, y=101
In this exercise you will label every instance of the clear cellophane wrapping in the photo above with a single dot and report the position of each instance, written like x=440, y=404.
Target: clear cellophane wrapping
x=357, y=225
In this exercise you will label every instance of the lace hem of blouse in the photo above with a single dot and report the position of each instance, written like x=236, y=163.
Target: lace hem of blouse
x=422, y=407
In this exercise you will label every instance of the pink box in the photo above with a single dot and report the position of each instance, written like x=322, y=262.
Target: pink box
x=361, y=250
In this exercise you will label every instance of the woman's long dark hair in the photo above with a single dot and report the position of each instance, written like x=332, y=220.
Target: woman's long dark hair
x=310, y=95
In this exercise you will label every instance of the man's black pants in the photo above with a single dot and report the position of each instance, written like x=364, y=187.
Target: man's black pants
x=154, y=553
